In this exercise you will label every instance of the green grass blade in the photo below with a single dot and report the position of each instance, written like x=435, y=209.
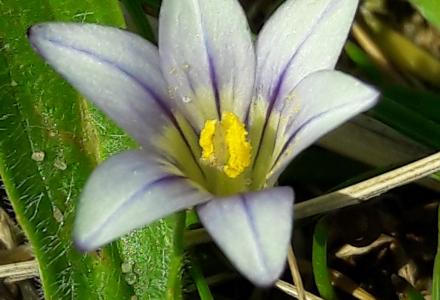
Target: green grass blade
x=413, y=113
x=139, y=19
x=412, y=294
x=199, y=279
x=430, y=9
x=319, y=261
x=408, y=122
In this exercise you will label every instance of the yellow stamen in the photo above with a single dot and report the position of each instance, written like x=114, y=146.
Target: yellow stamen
x=225, y=145
x=206, y=138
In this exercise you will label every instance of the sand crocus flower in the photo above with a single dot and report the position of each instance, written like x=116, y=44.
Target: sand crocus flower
x=217, y=117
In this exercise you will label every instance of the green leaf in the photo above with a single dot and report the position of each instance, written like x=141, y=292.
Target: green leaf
x=412, y=294
x=47, y=150
x=50, y=141
x=412, y=112
x=319, y=260
x=200, y=280
x=138, y=19
x=403, y=53
x=430, y=9
x=155, y=4
x=408, y=122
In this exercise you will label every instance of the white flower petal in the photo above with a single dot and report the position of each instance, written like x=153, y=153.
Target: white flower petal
x=117, y=70
x=321, y=102
x=128, y=191
x=207, y=57
x=300, y=38
x=253, y=230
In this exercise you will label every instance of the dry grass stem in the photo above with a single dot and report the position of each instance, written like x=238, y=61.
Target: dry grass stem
x=20, y=278
x=23, y=269
x=293, y=266
x=348, y=251
x=370, y=188
x=291, y=290
x=374, y=143
x=347, y=285
x=374, y=52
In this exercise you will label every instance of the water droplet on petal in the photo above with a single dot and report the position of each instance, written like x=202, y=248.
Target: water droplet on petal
x=172, y=92
x=186, y=66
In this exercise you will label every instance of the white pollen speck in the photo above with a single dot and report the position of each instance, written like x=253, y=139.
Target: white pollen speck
x=173, y=71
x=186, y=99
x=38, y=156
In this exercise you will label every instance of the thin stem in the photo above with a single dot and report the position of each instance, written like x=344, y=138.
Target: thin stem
x=293, y=266
x=374, y=51
x=347, y=285
x=370, y=188
x=291, y=290
x=28, y=269
x=319, y=261
x=200, y=280
x=174, y=285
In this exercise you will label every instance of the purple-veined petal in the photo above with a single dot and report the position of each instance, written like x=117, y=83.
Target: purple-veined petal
x=320, y=102
x=118, y=70
x=253, y=230
x=128, y=191
x=300, y=38
x=207, y=57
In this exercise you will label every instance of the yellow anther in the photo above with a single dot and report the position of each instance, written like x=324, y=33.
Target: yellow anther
x=206, y=138
x=225, y=146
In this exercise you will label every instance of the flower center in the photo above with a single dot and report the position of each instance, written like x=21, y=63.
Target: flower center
x=225, y=146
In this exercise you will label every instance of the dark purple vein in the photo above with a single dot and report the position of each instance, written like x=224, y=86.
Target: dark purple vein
x=279, y=82
x=157, y=99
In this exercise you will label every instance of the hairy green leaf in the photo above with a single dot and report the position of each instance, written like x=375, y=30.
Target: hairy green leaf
x=50, y=141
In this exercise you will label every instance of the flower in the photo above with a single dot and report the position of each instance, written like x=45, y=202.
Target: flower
x=217, y=120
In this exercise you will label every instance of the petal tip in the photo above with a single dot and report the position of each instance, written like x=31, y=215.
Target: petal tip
x=33, y=34
x=258, y=233
x=374, y=97
x=82, y=242
x=29, y=31
x=81, y=245
x=30, y=34
x=33, y=30
x=267, y=280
